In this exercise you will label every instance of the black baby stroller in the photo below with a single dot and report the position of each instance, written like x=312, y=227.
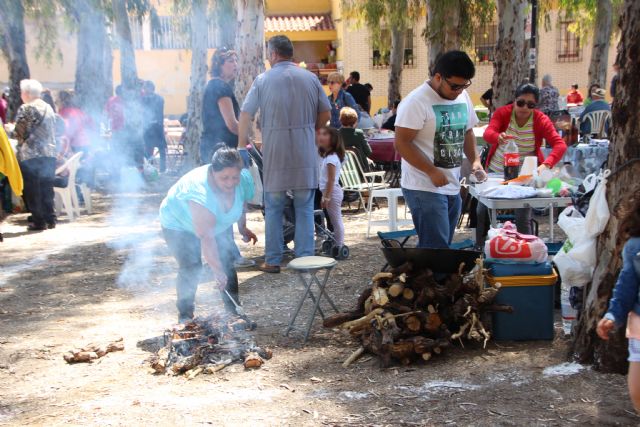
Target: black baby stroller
x=329, y=245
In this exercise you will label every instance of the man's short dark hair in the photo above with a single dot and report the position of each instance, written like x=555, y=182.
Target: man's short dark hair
x=454, y=63
x=528, y=88
x=355, y=75
x=281, y=45
x=368, y=86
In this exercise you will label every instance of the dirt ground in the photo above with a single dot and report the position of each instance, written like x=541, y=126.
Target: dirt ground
x=109, y=275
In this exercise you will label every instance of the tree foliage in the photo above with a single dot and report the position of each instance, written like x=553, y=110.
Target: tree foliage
x=379, y=14
x=583, y=13
x=472, y=13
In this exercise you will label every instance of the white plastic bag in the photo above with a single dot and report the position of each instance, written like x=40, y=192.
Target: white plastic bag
x=572, y=223
x=572, y=272
x=598, y=213
x=258, y=199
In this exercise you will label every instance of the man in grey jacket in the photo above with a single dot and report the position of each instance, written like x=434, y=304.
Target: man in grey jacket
x=292, y=105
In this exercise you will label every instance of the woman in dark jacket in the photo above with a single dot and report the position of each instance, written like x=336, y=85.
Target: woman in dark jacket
x=528, y=127
x=220, y=109
x=339, y=98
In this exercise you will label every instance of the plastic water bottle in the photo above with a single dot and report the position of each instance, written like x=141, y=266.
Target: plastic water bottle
x=511, y=161
x=568, y=313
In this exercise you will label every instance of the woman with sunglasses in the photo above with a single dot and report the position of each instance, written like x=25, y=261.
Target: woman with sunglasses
x=339, y=98
x=528, y=127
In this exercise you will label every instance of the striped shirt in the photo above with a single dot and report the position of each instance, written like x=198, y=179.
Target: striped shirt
x=523, y=136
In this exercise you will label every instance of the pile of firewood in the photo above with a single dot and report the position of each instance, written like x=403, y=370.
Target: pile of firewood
x=207, y=345
x=411, y=313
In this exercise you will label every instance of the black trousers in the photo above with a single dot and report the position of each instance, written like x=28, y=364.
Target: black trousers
x=186, y=249
x=154, y=137
x=38, y=175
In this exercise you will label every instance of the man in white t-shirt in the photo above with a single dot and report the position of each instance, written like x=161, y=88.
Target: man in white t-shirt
x=434, y=126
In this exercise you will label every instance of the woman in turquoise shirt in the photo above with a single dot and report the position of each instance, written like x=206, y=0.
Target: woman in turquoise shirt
x=196, y=215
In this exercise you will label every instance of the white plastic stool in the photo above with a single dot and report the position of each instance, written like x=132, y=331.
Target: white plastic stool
x=392, y=195
x=312, y=265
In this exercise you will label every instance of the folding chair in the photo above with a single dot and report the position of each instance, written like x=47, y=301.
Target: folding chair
x=311, y=265
x=353, y=178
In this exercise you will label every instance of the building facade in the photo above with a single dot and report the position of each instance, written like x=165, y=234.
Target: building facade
x=325, y=42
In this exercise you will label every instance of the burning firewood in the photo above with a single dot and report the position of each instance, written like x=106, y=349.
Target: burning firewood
x=253, y=360
x=207, y=345
x=92, y=352
x=408, y=314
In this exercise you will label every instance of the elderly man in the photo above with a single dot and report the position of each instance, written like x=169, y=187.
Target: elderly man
x=548, y=96
x=36, y=134
x=434, y=126
x=597, y=104
x=292, y=106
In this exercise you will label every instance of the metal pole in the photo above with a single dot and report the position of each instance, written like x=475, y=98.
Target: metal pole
x=533, y=57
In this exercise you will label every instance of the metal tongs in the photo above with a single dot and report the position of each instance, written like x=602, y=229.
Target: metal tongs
x=239, y=309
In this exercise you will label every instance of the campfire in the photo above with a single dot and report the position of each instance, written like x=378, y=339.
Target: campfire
x=208, y=345
x=411, y=313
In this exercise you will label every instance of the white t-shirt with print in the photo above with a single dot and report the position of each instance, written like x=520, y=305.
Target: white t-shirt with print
x=441, y=126
x=331, y=159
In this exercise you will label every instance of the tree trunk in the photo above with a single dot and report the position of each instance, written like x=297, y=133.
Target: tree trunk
x=225, y=15
x=609, y=356
x=509, y=66
x=128, y=73
x=396, y=63
x=14, y=50
x=93, y=84
x=249, y=44
x=600, y=45
x=443, y=21
x=197, y=82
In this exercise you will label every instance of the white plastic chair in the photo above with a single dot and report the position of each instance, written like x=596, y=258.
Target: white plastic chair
x=598, y=120
x=86, y=195
x=68, y=195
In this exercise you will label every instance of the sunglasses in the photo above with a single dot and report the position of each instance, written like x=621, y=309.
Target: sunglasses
x=455, y=87
x=521, y=103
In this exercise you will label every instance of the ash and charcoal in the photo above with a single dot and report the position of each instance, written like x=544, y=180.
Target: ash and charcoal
x=411, y=314
x=208, y=345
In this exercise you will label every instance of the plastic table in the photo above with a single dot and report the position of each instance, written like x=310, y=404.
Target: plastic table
x=535, y=202
x=392, y=195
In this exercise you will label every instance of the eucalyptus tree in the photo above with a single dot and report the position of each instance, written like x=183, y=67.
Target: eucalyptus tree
x=451, y=24
x=394, y=16
x=13, y=46
x=249, y=44
x=595, y=18
x=624, y=152
x=509, y=65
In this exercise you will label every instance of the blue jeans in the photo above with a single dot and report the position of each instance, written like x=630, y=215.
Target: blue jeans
x=435, y=217
x=274, y=215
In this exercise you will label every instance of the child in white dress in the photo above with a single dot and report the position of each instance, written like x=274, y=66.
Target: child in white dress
x=331, y=150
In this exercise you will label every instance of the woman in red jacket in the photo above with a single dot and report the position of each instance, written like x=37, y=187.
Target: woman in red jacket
x=528, y=127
